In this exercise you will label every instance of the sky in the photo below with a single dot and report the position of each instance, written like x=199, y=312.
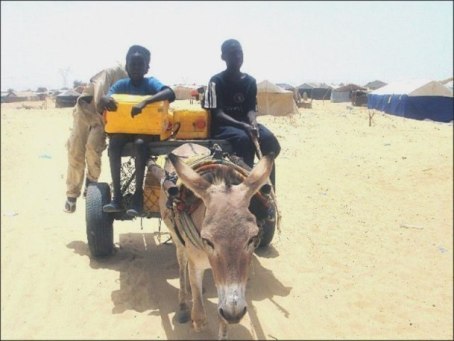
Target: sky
x=54, y=43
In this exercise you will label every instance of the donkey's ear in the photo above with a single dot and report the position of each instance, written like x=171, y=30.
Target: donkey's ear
x=258, y=176
x=189, y=177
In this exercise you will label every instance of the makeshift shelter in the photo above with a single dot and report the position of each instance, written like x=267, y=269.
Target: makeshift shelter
x=344, y=93
x=359, y=98
x=375, y=85
x=273, y=100
x=66, y=99
x=417, y=99
x=10, y=96
x=315, y=90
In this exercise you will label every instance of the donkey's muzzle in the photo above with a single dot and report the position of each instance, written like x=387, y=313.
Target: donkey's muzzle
x=232, y=316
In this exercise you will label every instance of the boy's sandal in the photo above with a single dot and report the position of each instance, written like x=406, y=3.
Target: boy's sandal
x=134, y=212
x=70, y=207
x=112, y=208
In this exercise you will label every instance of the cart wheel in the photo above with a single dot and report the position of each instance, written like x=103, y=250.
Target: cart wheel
x=268, y=228
x=99, y=224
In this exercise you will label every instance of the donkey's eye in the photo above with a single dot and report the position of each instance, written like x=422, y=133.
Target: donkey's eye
x=208, y=243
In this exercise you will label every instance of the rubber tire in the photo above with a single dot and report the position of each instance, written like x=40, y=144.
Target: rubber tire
x=269, y=227
x=99, y=224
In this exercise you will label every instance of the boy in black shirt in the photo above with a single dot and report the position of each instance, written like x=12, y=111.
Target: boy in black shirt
x=232, y=99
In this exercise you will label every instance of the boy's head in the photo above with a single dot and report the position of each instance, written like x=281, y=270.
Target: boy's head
x=137, y=62
x=232, y=53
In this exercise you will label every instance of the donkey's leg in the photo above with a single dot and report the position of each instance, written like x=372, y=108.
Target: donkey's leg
x=183, y=311
x=198, y=314
x=182, y=314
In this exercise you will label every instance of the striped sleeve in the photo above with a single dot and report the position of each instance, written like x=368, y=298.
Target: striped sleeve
x=210, y=98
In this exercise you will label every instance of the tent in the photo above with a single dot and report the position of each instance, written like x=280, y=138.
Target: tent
x=418, y=99
x=344, y=93
x=184, y=91
x=315, y=90
x=273, y=100
x=448, y=82
x=67, y=98
x=11, y=96
x=285, y=86
x=375, y=85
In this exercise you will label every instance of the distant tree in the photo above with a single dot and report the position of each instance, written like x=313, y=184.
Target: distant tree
x=10, y=91
x=41, y=89
x=64, y=74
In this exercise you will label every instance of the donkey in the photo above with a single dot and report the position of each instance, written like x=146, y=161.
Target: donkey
x=228, y=235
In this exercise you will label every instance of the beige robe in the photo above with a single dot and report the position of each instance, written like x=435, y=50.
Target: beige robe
x=88, y=139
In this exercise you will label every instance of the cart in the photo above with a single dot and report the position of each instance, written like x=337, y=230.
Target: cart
x=99, y=224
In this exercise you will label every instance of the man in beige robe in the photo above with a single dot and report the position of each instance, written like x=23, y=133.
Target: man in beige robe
x=88, y=139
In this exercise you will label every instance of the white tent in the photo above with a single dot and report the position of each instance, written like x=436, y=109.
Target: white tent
x=344, y=93
x=415, y=87
x=273, y=100
x=184, y=91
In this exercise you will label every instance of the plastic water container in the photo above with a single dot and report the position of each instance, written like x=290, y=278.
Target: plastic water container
x=153, y=120
x=194, y=123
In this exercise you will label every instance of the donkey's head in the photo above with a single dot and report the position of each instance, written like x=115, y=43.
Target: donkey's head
x=229, y=230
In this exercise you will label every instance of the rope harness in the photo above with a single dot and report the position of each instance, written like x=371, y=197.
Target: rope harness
x=185, y=203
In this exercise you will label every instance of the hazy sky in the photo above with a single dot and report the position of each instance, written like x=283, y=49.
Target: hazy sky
x=284, y=42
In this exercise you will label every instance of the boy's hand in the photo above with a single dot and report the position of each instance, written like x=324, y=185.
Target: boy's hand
x=255, y=130
x=137, y=109
x=253, y=122
x=108, y=103
x=251, y=130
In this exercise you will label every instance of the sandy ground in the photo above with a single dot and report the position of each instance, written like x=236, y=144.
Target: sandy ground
x=365, y=249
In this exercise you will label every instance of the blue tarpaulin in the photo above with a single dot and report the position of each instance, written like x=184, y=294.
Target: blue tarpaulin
x=414, y=99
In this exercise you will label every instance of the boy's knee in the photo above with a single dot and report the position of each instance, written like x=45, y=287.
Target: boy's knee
x=140, y=145
x=139, y=142
x=141, y=149
x=270, y=144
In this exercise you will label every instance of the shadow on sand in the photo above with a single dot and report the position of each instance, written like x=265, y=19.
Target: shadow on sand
x=148, y=278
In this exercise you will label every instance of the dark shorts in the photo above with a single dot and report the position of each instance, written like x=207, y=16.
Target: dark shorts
x=242, y=144
x=118, y=141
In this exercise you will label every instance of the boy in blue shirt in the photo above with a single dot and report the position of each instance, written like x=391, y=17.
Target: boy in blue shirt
x=137, y=66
